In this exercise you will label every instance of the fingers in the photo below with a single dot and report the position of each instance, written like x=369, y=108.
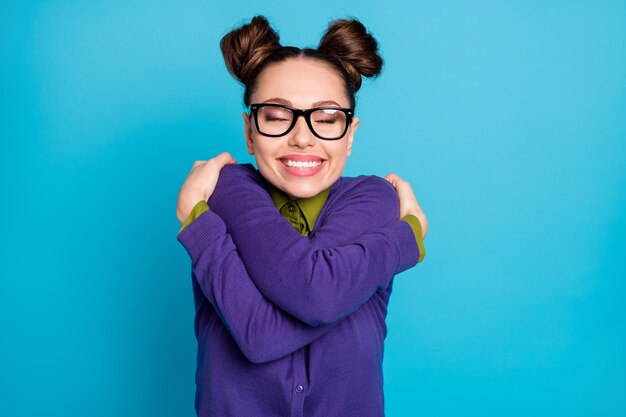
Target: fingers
x=403, y=187
x=225, y=158
x=218, y=161
x=393, y=177
x=396, y=181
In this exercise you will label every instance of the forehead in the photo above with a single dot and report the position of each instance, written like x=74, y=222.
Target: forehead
x=301, y=81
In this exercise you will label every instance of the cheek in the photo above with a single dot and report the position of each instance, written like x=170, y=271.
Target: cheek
x=264, y=149
x=338, y=153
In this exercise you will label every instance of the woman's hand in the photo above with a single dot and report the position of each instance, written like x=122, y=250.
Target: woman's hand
x=200, y=183
x=408, y=202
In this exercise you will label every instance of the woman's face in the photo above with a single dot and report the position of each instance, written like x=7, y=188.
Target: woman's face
x=301, y=83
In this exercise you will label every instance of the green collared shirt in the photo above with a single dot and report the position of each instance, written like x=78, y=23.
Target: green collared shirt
x=303, y=212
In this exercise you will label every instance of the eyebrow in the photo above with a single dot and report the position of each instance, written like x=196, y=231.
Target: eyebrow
x=288, y=103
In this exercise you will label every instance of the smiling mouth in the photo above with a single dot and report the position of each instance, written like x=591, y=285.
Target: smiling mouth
x=302, y=164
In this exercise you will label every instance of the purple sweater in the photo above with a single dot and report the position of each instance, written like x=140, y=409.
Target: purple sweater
x=290, y=325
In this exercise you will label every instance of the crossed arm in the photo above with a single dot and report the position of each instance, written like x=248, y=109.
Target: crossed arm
x=354, y=252
x=263, y=330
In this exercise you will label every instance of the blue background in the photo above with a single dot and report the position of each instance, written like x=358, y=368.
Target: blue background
x=507, y=118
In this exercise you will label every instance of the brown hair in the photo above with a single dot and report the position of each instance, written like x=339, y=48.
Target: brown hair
x=345, y=46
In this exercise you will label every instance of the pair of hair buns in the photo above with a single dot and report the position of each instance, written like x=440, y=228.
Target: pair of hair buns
x=346, y=40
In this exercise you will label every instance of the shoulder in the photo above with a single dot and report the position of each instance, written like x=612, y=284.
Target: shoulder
x=246, y=169
x=237, y=181
x=368, y=186
x=239, y=173
x=366, y=192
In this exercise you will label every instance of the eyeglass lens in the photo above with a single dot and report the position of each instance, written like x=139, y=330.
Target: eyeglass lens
x=327, y=123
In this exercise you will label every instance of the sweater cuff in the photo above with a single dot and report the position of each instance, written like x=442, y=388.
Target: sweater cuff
x=408, y=252
x=200, y=207
x=200, y=233
x=417, y=230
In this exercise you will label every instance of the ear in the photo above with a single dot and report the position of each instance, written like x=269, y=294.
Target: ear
x=247, y=131
x=352, y=130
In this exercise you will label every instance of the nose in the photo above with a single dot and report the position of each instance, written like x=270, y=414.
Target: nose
x=301, y=136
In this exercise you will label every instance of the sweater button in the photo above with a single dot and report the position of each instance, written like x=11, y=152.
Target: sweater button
x=299, y=388
x=290, y=208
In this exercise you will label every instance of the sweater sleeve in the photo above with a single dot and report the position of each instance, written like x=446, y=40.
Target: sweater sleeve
x=355, y=252
x=261, y=330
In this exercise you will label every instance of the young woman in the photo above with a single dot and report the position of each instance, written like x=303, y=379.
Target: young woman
x=293, y=264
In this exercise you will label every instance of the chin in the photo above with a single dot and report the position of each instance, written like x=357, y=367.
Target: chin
x=307, y=195
x=297, y=192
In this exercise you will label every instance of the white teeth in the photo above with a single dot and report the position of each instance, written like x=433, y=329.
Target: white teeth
x=302, y=164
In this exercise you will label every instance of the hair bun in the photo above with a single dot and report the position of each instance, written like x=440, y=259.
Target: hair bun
x=348, y=41
x=244, y=48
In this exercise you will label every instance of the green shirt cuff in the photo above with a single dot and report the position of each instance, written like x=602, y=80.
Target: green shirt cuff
x=200, y=207
x=414, y=222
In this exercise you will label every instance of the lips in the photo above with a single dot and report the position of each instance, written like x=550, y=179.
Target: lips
x=301, y=157
x=302, y=171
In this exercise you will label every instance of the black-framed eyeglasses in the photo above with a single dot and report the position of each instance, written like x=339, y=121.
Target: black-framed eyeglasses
x=328, y=123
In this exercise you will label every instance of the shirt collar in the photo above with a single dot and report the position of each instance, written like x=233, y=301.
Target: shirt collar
x=310, y=206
